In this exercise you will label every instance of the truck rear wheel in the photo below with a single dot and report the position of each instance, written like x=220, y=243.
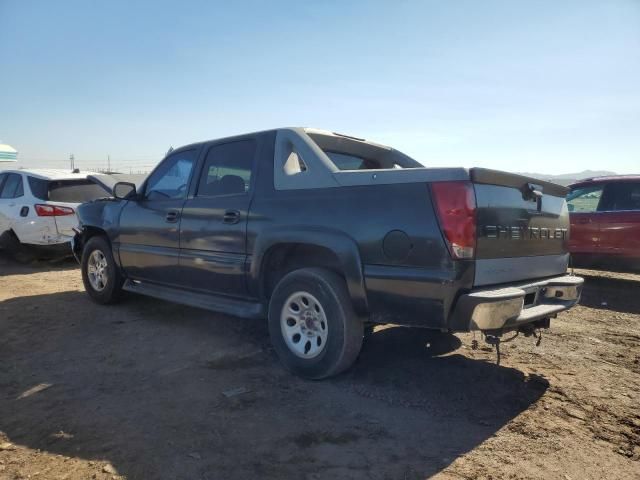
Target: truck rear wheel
x=100, y=274
x=313, y=327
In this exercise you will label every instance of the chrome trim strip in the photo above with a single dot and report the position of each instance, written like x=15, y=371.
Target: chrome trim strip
x=494, y=271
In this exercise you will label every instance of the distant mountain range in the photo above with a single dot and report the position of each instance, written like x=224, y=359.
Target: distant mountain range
x=569, y=178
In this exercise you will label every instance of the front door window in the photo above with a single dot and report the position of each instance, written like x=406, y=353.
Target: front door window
x=171, y=180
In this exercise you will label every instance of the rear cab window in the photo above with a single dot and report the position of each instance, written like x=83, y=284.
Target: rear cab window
x=350, y=153
x=66, y=191
x=345, y=161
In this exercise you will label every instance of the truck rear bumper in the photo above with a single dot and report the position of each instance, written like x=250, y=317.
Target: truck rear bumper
x=509, y=307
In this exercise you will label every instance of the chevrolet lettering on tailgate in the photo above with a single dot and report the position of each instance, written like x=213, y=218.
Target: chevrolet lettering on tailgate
x=524, y=233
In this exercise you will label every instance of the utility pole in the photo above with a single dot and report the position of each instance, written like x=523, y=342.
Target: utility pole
x=72, y=160
x=108, y=163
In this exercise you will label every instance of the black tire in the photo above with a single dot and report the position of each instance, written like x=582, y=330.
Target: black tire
x=112, y=290
x=369, y=329
x=21, y=253
x=345, y=328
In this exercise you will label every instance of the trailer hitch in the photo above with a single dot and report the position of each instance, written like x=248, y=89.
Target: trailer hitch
x=496, y=340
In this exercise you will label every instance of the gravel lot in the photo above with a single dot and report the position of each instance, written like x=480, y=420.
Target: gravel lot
x=151, y=390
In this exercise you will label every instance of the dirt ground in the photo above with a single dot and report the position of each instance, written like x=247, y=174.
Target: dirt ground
x=151, y=390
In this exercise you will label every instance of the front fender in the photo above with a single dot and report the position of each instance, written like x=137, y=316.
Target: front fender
x=103, y=214
x=98, y=217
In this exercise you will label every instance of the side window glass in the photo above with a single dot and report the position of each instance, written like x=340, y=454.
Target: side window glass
x=39, y=188
x=621, y=196
x=634, y=197
x=171, y=180
x=3, y=176
x=19, y=188
x=227, y=169
x=584, y=200
x=294, y=164
x=12, y=187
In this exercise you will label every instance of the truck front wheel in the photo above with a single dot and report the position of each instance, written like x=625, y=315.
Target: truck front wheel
x=100, y=274
x=313, y=327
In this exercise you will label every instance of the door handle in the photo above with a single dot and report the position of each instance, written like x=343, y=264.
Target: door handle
x=584, y=220
x=172, y=216
x=231, y=216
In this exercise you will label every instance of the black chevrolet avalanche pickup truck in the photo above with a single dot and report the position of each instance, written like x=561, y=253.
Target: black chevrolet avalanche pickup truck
x=325, y=235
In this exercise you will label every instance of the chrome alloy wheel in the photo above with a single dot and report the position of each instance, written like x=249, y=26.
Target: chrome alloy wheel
x=304, y=325
x=97, y=270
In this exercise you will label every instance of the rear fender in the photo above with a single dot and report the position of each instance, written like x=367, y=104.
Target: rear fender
x=42, y=231
x=343, y=246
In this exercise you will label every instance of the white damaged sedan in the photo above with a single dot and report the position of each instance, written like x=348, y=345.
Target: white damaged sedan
x=37, y=209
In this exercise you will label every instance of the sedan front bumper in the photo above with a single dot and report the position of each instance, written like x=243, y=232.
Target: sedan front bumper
x=509, y=307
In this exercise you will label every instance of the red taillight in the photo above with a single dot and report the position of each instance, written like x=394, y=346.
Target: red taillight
x=52, y=211
x=455, y=204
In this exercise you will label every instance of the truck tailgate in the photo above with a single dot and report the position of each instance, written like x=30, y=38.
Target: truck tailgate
x=522, y=227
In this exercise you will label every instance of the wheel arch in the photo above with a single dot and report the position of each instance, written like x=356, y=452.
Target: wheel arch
x=8, y=237
x=281, y=250
x=90, y=231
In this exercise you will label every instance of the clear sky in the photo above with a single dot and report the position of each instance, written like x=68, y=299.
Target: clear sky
x=544, y=86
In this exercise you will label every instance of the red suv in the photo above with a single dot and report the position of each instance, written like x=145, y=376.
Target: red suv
x=605, y=222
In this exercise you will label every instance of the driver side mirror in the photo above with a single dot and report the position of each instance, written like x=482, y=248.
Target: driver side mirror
x=124, y=190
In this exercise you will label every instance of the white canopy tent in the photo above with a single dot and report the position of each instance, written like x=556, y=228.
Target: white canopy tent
x=8, y=153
